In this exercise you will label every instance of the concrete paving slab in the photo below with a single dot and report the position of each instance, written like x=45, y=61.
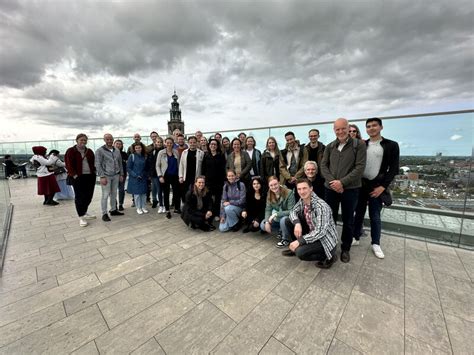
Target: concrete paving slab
x=197, y=332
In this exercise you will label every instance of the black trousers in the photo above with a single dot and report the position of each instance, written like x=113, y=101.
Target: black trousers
x=171, y=181
x=307, y=252
x=84, y=186
x=215, y=191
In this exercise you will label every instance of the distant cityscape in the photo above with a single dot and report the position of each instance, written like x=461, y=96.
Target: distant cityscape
x=435, y=182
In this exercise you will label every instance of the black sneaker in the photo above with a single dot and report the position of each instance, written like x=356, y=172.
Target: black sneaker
x=345, y=256
x=177, y=211
x=155, y=203
x=326, y=264
x=168, y=214
x=282, y=243
x=120, y=208
x=106, y=218
x=116, y=213
x=246, y=229
x=287, y=252
x=237, y=226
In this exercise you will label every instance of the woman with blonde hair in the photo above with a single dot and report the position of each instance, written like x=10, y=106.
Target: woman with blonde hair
x=270, y=162
x=280, y=201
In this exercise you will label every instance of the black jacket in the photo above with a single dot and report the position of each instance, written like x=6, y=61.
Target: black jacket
x=213, y=168
x=190, y=211
x=151, y=157
x=269, y=166
x=390, y=163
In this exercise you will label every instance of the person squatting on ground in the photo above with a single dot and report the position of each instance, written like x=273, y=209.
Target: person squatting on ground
x=47, y=184
x=108, y=163
x=167, y=164
x=13, y=170
x=383, y=156
x=312, y=228
x=280, y=201
x=138, y=176
x=342, y=167
x=254, y=211
x=82, y=175
x=60, y=172
x=232, y=203
x=197, y=209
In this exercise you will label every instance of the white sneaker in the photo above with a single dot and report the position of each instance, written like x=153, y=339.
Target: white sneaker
x=378, y=251
x=139, y=211
x=355, y=242
x=89, y=216
x=145, y=210
x=83, y=222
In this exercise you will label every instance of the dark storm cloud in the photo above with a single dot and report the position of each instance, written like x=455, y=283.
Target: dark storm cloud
x=117, y=37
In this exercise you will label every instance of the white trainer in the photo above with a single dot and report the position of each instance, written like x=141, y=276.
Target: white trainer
x=378, y=251
x=89, y=216
x=83, y=222
x=139, y=211
x=355, y=242
x=145, y=210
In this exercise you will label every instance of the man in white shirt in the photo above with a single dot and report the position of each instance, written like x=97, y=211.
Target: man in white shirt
x=383, y=157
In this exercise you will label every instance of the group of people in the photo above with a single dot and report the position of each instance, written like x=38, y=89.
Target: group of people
x=294, y=193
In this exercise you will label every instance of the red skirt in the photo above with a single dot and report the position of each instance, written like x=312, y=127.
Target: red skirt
x=47, y=185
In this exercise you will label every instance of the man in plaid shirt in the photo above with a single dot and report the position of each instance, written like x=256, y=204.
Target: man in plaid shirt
x=312, y=228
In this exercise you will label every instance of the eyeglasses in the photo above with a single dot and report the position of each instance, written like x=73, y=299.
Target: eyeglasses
x=352, y=131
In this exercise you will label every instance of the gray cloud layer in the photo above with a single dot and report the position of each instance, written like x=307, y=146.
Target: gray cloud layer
x=363, y=55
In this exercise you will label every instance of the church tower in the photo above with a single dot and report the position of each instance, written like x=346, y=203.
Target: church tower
x=175, y=116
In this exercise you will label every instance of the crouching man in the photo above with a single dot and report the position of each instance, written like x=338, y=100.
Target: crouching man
x=312, y=228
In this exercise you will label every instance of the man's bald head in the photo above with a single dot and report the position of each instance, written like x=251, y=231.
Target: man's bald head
x=341, y=129
x=109, y=140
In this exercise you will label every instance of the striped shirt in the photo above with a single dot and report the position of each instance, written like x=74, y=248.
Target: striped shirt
x=322, y=226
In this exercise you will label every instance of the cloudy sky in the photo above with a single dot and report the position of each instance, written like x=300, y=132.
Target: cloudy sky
x=97, y=66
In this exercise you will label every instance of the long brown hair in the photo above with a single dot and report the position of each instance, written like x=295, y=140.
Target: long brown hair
x=284, y=191
x=204, y=190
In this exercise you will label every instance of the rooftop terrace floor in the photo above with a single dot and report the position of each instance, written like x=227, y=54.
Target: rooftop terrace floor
x=145, y=284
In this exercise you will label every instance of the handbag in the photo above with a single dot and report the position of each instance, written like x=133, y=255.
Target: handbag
x=57, y=170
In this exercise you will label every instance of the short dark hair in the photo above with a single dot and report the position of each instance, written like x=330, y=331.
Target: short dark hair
x=303, y=180
x=180, y=135
x=289, y=133
x=81, y=135
x=192, y=137
x=154, y=132
x=374, y=119
x=313, y=129
x=7, y=156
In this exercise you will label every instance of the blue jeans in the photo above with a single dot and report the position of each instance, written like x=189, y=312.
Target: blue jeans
x=280, y=226
x=232, y=216
x=109, y=190
x=375, y=206
x=348, y=201
x=140, y=200
x=156, y=190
